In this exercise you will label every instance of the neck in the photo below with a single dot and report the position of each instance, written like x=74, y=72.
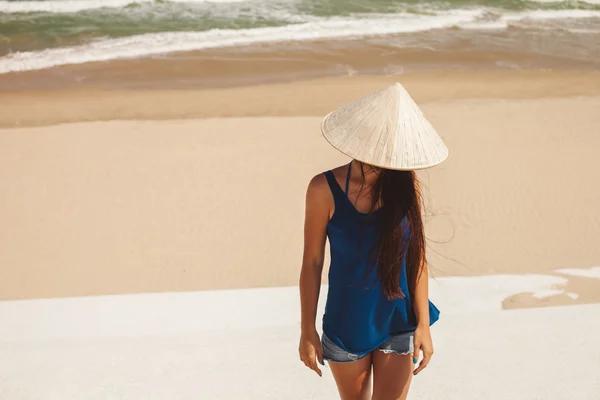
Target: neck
x=371, y=173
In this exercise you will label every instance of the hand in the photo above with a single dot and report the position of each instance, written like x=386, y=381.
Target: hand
x=311, y=350
x=423, y=343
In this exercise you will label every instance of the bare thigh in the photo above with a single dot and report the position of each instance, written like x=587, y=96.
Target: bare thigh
x=353, y=379
x=392, y=374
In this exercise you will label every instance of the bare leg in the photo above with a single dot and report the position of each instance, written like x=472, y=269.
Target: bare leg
x=353, y=379
x=392, y=374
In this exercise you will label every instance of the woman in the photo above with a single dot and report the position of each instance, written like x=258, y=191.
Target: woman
x=377, y=316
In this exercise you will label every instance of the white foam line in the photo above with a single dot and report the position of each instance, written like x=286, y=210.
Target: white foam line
x=167, y=42
x=593, y=272
x=149, y=44
x=485, y=25
x=11, y=7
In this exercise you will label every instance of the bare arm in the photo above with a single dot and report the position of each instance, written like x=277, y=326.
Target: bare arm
x=319, y=204
x=421, y=300
x=422, y=341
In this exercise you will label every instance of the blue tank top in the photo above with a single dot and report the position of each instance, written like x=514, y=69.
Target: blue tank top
x=358, y=315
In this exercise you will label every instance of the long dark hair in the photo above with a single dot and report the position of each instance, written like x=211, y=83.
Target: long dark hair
x=398, y=194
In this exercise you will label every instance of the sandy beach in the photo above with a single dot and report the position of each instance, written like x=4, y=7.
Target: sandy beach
x=204, y=189
x=154, y=159
x=243, y=344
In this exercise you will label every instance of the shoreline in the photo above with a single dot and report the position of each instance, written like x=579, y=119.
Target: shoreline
x=517, y=48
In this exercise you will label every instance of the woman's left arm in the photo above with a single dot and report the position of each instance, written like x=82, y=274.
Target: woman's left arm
x=422, y=340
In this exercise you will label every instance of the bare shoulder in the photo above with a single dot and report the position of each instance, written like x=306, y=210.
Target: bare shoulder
x=318, y=185
x=319, y=199
x=319, y=192
x=318, y=189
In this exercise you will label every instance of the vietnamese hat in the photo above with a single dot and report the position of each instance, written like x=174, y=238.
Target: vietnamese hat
x=386, y=129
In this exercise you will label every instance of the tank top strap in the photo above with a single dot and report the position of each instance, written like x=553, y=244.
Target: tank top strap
x=334, y=186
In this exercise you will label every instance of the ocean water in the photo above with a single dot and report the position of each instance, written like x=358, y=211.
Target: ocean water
x=46, y=33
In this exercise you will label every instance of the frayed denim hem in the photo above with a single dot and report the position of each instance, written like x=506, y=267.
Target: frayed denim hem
x=387, y=351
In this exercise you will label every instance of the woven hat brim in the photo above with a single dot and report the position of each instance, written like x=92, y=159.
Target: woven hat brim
x=370, y=162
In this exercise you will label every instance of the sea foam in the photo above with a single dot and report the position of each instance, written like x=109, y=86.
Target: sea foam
x=326, y=28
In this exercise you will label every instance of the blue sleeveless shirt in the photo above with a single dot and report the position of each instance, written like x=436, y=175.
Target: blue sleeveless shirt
x=358, y=315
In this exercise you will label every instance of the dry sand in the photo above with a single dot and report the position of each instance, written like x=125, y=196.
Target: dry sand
x=243, y=344
x=148, y=206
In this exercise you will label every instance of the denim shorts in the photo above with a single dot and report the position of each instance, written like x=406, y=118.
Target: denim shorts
x=398, y=344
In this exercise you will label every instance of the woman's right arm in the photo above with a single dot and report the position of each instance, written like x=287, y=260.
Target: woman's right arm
x=319, y=205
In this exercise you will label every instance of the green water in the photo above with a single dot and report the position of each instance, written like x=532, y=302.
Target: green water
x=32, y=31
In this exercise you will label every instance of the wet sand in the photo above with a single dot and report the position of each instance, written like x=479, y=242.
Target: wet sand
x=300, y=98
x=517, y=49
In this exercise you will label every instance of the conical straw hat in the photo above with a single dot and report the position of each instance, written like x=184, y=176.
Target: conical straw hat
x=385, y=129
